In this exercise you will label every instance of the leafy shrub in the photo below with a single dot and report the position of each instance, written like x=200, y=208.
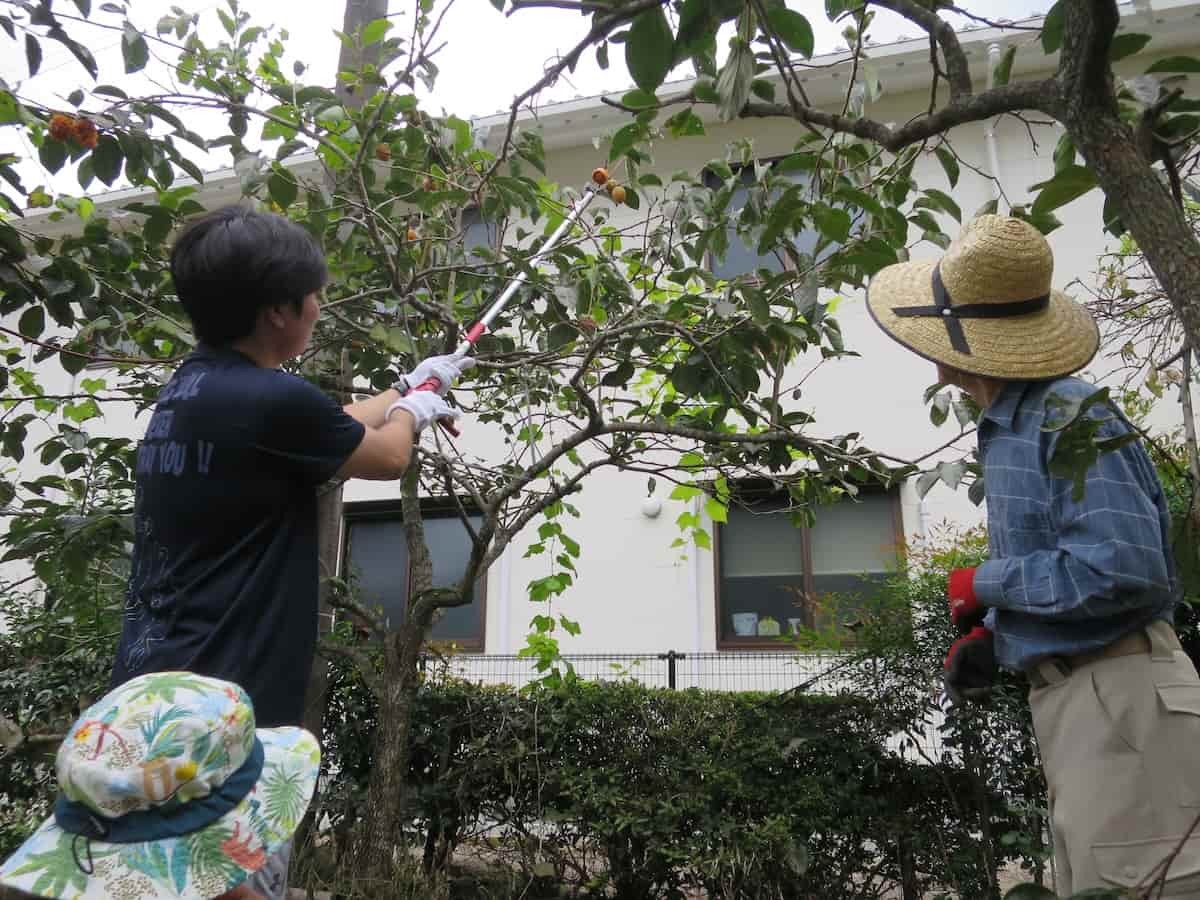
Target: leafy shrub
x=629, y=791
x=53, y=663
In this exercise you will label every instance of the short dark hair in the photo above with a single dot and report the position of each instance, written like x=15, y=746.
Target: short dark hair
x=233, y=262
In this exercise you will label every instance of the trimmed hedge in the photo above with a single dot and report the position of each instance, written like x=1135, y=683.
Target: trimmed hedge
x=633, y=792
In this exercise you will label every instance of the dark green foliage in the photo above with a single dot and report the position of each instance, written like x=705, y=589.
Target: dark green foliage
x=640, y=792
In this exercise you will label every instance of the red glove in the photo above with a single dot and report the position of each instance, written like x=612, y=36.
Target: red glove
x=970, y=667
x=965, y=609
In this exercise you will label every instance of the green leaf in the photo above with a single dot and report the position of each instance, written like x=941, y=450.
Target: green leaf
x=949, y=164
x=834, y=224
x=1052, y=27
x=763, y=89
x=1190, y=64
x=74, y=363
x=925, y=482
x=951, y=473
x=33, y=53
x=685, y=492
x=1043, y=221
x=871, y=255
x=374, y=32
x=10, y=109
x=793, y=29
x=282, y=189
x=697, y=21
x=705, y=91
x=619, y=376
x=462, y=133
x=52, y=154
x=77, y=49
x=1069, y=184
x=1003, y=71
x=107, y=159
x=716, y=510
x=32, y=322
x=1124, y=45
x=134, y=49
x=623, y=140
x=988, y=209
x=734, y=80
x=649, y=49
x=944, y=201
x=639, y=99
x=1064, y=153
x=684, y=123
x=157, y=227
x=939, y=411
x=977, y=492
x=561, y=335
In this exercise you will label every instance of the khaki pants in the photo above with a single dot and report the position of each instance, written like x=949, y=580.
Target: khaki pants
x=1120, y=745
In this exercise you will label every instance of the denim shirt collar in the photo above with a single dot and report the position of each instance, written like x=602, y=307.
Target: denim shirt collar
x=1003, y=411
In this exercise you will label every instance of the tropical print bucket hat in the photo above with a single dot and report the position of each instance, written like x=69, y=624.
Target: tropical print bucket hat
x=166, y=789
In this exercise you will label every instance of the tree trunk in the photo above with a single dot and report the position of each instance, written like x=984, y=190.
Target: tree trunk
x=329, y=532
x=1087, y=106
x=388, y=788
x=329, y=508
x=383, y=816
x=1146, y=209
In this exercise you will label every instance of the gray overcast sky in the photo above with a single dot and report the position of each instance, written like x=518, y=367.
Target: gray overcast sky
x=488, y=59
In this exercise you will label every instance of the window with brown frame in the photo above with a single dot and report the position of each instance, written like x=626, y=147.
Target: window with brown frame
x=375, y=558
x=774, y=579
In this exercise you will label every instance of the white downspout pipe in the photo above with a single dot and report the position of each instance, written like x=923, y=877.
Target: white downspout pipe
x=989, y=132
x=504, y=599
x=694, y=588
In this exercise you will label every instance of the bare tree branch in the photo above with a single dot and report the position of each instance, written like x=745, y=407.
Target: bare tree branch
x=958, y=72
x=1039, y=95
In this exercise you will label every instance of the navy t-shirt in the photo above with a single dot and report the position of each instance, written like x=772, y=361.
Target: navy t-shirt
x=224, y=571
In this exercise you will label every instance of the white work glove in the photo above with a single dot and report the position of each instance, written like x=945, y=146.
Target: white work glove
x=446, y=369
x=425, y=407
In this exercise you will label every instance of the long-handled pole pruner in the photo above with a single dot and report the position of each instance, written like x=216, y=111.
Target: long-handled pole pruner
x=599, y=180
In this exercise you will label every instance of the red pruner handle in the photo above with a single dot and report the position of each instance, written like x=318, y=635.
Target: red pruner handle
x=432, y=384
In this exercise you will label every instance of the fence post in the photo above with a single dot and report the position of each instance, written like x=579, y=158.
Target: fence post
x=670, y=656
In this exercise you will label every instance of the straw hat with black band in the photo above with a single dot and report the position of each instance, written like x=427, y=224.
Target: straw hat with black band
x=987, y=307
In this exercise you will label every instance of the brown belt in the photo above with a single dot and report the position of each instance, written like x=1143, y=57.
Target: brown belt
x=1129, y=645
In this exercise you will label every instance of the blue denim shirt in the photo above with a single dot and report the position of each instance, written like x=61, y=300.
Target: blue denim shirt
x=1067, y=576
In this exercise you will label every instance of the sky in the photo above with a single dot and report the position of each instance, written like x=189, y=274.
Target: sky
x=487, y=60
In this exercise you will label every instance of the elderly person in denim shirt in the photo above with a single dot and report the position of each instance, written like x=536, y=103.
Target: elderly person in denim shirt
x=1078, y=592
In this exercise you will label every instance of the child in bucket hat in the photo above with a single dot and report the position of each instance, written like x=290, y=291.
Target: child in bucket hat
x=167, y=789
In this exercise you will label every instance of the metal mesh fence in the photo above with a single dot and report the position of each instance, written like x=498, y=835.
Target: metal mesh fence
x=754, y=671
x=725, y=671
